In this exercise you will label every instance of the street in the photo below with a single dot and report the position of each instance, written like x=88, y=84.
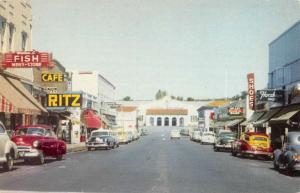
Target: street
x=152, y=164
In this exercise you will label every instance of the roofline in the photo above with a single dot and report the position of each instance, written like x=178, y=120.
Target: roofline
x=106, y=80
x=285, y=32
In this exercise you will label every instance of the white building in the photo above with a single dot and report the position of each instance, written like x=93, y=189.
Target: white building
x=166, y=112
x=94, y=84
x=127, y=117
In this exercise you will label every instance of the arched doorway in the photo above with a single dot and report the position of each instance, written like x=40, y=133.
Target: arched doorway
x=181, y=122
x=174, y=121
x=158, y=122
x=166, y=121
x=152, y=121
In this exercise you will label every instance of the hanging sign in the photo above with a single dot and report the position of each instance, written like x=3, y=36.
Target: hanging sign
x=271, y=95
x=251, y=91
x=51, y=77
x=64, y=100
x=29, y=59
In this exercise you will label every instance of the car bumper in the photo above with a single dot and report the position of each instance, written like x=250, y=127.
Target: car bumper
x=256, y=152
x=100, y=145
x=32, y=153
x=225, y=146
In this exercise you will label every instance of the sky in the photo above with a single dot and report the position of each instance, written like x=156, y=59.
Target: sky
x=190, y=48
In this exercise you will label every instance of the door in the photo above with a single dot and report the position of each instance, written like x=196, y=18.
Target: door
x=3, y=140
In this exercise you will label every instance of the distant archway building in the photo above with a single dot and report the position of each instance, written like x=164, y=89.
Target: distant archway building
x=162, y=116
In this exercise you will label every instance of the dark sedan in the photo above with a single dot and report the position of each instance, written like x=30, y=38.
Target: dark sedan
x=101, y=142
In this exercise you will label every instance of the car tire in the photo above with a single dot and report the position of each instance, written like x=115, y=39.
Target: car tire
x=89, y=149
x=59, y=157
x=9, y=164
x=216, y=149
x=275, y=165
x=233, y=153
x=41, y=158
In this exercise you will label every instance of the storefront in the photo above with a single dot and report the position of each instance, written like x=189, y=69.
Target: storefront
x=17, y=105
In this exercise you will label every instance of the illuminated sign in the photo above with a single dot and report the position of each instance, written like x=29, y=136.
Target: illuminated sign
x=64, y=100
x=50, y=77
x=235, y=111
x=251, y=91
x=270, y=95
x=30, y=59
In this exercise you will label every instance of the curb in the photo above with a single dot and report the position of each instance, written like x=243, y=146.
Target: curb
x=76, y=149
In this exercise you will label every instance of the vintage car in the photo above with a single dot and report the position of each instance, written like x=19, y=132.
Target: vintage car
x=36, y=142
x=254, y=144
x=196, y=136
x=224, y=141
x=101, y=142
x=288, y=158
x=175, y=134
x=208, y=138
x=8, y=150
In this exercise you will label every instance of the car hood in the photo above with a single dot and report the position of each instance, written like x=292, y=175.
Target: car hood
x=294, y=148
x=25, y=140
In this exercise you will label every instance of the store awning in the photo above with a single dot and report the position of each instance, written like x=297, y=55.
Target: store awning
x=91, y=119
x=285, y=114
x=219, y=124
x=267, y=116
x=234, y=122
x=17, y=97
x=255, y=116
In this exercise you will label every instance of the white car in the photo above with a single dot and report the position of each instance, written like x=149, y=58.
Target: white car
x=208, y=138
x=196, y=136
x=175, y=134
x=8, y=150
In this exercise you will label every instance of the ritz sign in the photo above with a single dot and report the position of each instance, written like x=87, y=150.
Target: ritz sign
x=30, y=59
x=64, y=100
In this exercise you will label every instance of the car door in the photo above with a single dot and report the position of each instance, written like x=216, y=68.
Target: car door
x=49, y=144
x=3, y=140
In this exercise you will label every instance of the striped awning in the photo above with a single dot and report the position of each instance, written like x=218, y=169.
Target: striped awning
x=6, y=106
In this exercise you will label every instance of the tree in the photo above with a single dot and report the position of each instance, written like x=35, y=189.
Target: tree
x=160, y=94
x=179, y=98
x=190, y=99
x=173, y=97
x=127, y=98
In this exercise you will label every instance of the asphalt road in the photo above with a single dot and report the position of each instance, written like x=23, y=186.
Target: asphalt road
x=154, y=164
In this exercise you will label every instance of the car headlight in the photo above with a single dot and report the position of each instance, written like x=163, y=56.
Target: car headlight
x=36, y=143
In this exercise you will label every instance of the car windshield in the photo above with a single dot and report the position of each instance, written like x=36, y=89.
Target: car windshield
x=99, y=133
x=208, y=134
x=30, y=131
x=260, y=139
x=227, y=135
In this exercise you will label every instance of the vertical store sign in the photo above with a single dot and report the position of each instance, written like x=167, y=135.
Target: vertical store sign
x=251, y=91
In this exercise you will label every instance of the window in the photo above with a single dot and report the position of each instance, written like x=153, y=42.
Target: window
x=11, y=36
x=174, y=121
x=181, y=122
x=24, y=40
x=158, y=122
x=166, y=121
x=152, y=121
x=2, y=130
x=2, y=30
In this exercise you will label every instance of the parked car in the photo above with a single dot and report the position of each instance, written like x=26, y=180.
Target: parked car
x=144, y=132
x=196, y=136
x=208, y=138
x=123, y=136
x=184, y=132
x=8, y=150
x=252, y=143
x=101, y=142
x=175, y=134
x=288, y=158
x=224, y=141
x=36, y=142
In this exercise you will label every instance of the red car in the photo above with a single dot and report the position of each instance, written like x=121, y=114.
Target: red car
x=253, y=143
x=36, y=142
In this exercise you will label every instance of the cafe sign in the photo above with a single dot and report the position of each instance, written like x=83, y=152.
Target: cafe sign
x=52, y=77
x=270, y=95
x=64, y=100
x=28, y=59
x=235, y=111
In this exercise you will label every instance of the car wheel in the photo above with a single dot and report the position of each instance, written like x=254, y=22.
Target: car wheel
x=59, y=157
x=9, y=164
x=216, y=149
x=89, y=149
x=41, y=158
x=233, y=153
x=275, y=165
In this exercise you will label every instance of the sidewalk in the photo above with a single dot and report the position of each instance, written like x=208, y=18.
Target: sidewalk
x=76, y=147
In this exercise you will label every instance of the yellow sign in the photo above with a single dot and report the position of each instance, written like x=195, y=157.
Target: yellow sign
x=50, y=77
x=64, y=100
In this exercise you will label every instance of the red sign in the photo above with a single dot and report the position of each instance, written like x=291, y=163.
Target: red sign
x=31, y=59
x=251, y=91
x=235, y=111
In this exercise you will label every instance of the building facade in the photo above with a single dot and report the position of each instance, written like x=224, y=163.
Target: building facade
x=94, y=84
